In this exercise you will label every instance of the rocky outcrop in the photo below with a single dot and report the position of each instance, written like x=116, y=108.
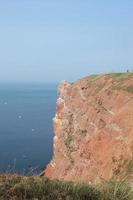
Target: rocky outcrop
x=93, y=128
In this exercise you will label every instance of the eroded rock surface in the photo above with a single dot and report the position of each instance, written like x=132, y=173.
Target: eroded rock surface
x=93, y=127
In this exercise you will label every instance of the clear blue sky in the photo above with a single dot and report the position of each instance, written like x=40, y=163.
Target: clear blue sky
x=50, y=40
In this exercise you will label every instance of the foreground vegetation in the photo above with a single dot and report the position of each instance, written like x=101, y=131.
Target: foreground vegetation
x=14, y=187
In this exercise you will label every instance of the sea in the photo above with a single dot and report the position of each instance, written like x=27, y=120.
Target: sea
x=26, y=131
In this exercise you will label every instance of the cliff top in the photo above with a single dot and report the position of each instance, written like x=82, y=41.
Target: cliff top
x=117, y=80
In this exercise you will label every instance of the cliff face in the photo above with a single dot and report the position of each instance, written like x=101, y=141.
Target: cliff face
x=93, y=128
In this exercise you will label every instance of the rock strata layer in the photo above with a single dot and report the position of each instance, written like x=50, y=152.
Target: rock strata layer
x=93, y=128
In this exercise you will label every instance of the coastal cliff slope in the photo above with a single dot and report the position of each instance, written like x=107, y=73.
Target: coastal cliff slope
x=93, y=128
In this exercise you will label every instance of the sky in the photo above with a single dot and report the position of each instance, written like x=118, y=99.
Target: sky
x=53, y=40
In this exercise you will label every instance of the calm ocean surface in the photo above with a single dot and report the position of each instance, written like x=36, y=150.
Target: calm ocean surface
x=26, y=132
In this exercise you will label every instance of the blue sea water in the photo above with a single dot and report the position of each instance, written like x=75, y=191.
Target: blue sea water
x=26, y=132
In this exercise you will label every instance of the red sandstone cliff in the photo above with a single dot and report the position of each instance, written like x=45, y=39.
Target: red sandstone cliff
x=93, y=127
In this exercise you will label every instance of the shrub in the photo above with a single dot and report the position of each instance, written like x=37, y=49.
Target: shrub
x=68, y=140
x=130, y=88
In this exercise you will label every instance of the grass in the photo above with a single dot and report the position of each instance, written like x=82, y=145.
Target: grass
x=115, y=76
x=120, y=76
x=117, y=190
x=14, y=187
x=35, y=188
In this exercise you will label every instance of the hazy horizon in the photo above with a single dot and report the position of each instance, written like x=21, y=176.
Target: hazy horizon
x=49, y=41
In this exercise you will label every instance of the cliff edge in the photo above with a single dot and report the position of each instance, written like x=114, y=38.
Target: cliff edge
x=93, y=128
